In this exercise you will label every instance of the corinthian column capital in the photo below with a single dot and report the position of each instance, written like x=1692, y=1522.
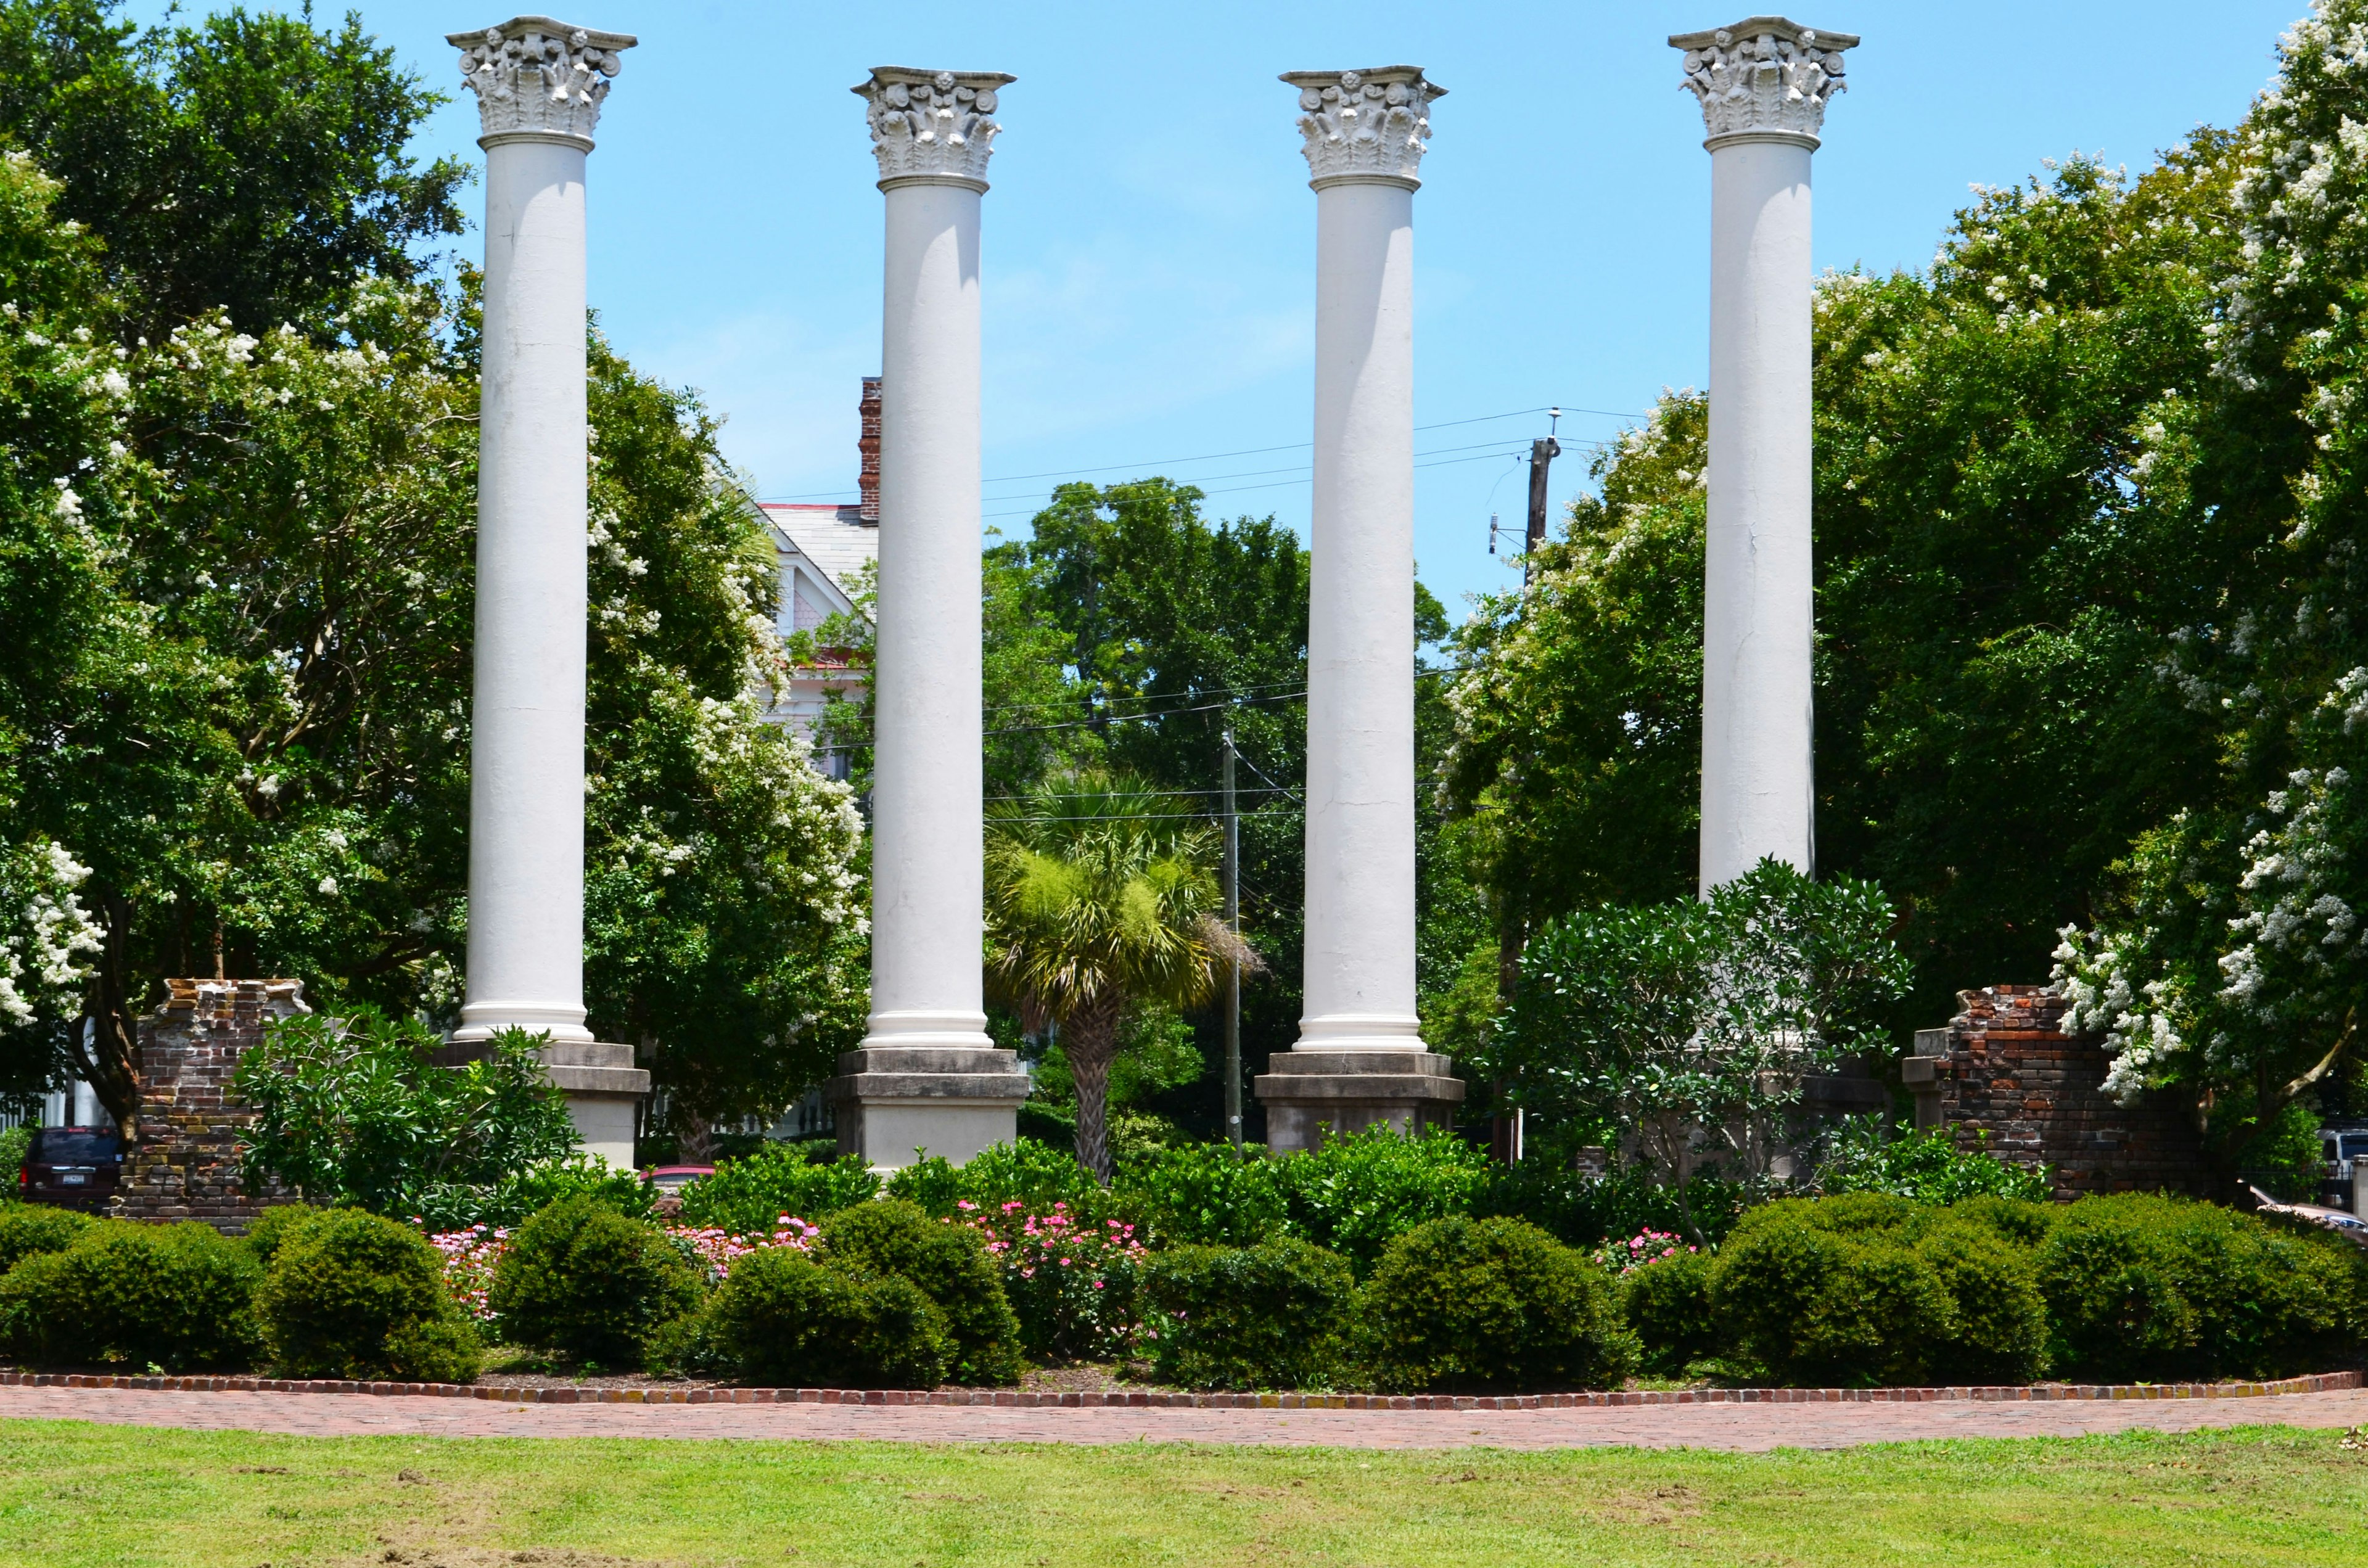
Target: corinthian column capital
x=933, y=125
x=1764, y=76
x=538, y=78
x=1365, y=124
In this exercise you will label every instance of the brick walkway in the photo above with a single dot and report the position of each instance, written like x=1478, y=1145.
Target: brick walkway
x=1737, y=1428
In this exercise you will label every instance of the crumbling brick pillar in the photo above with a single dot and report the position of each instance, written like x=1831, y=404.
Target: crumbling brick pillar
x=185, y=1165
x=2005, y=1066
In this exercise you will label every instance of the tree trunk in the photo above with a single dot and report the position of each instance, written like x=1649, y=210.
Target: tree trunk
x=1089, y=1039
x=108, y=1060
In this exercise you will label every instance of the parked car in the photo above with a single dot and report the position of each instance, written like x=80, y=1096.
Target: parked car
x=74, y=1167
x=2340, y=1145
x=2350, y=1227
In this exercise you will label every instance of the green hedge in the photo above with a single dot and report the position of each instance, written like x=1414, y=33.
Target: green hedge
x=592, y=1284
x=1473, y=1305
x=350, y=1295
x=748, y=1196
x=1273, y=1315
x=121, y=1293
x=784, y=1321
x=951, y=1265
x=28, y=1228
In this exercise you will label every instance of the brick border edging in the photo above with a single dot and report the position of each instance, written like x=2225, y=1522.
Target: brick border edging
x=2321, y=1382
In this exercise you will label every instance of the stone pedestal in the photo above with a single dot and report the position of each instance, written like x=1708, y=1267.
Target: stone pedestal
x=1763, y=86
x=539, y=86
x=187, y=1166
x=926, y=1076
x=1360, y=1059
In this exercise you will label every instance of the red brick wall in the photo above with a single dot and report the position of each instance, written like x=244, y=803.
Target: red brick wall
x=866, y=445
x=185, y=1165
x=2009, y=1068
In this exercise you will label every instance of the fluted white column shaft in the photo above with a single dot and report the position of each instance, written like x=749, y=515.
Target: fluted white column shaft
x=1360, y=985
x=526, y=798
x=1759, y=750
x=927, y=840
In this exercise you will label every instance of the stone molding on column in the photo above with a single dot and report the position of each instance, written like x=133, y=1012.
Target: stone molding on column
x=539, y=78
x=1764, y=77
x=1365, y=125
x=931, y=125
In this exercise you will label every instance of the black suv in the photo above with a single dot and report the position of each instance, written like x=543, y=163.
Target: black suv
x=74, y=1167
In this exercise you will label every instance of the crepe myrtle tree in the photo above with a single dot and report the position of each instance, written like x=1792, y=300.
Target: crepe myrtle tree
x=1689, y=1026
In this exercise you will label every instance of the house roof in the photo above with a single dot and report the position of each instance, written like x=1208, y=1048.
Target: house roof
x=835, y=538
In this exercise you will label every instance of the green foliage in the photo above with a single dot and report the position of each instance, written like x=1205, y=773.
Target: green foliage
x=16, y=1142
x=1872, y=1287
x=2139, y=1286
x=348, y=1294
x=1930, y=1166
x=28, y=1228
x=748, y=1196
x=1264, y=1316
x=951, y=1265
x=1667, y=1307
x=1583, y=1210
x=782, y=1320
x=356, y=1110
x=127, y=1294
x=457, y=1206
x=1035, y=1175
x=1204, y=1194
x=1699, y=1014
x=1101, y=897
x=2285, y=1155
x=1156, y=1054
x=1072, y=1283
x=1466, y=1306
x=590, y=1283
x=278, y=1225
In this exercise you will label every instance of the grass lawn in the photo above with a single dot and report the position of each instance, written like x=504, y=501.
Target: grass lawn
x=74, y=1495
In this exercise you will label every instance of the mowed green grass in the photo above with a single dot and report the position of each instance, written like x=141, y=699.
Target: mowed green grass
x=76, y=1495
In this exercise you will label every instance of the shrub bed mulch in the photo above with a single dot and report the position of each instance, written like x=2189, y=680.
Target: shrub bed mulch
x=1025, y=1399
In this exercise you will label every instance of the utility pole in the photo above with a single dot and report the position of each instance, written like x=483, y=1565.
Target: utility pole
x=1233, y=960
x=1542, y=452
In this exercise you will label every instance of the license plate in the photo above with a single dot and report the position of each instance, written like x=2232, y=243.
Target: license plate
x=74, y=1180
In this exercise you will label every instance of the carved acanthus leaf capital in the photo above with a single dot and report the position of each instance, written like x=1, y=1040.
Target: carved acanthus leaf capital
x=1765, y=74
x=1373, y=123
x=932, y=123
x=533, y=75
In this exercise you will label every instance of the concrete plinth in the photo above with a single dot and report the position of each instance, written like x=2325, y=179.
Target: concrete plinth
x=1312, y=1092
x=602, y=1086
x=898, y=1105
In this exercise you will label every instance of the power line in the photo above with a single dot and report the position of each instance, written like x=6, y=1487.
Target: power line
x=1241, y=452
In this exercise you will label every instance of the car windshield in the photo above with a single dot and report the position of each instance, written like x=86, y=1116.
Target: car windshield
x=72, y=1146
x=2354, y=1145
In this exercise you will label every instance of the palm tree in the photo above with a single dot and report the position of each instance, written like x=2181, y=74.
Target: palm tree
x=1100, y=893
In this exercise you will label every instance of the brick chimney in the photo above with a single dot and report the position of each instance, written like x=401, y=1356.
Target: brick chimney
x=869, y=445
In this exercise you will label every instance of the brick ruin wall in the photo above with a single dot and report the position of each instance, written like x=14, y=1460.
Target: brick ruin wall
x=185, y=1165
x=2005, y=1066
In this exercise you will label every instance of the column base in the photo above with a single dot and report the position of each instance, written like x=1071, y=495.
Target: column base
x=898, y=1105
x=602, y=1086
x=1311, y=1093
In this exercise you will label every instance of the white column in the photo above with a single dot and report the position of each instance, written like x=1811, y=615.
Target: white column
x=1360, y=1058
x=1763, y=87
x=540, y=86
x=926, y=1076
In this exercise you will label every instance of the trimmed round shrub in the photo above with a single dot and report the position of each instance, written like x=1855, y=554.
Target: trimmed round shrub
x=351, y=1295
x=1811, y=1301
x=585, y=1281
x=781, y=1320
x=1469, y=1305
x=2140, y=1285
x=1264, y=1316
x=1998, y=1320
x=951, y=1265
x=28, y=1228
x=123, y=1293
x=2019, y=1221
x=1667, y=1306
x=279, y=1224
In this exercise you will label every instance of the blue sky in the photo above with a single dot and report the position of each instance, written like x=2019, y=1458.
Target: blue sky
x=1149, y=243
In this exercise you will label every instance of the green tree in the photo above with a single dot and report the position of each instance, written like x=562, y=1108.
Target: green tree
x=252, y=163
x=1100, y=893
